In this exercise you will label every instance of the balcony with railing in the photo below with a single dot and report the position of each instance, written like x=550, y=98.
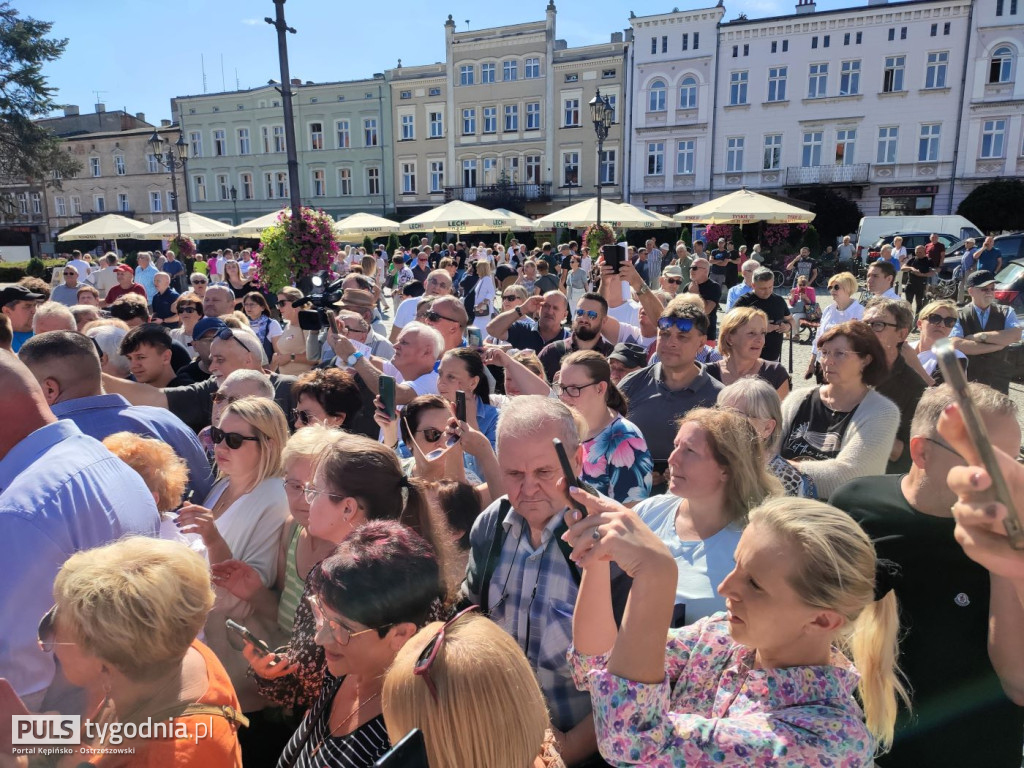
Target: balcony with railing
x=827, y=174
x=486, y=194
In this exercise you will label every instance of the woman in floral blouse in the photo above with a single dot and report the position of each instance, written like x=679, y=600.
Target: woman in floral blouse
x=615, y=456
x=765, y=683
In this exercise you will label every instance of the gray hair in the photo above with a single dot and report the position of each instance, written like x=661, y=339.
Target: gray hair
x=935, y=400
x=431, y=333
x=258, y=379
x=53, y=309
x=109, y=337
x=900, y=310
x=85, y=313
x=756, y=399
x=763, y=273
x=533, y=414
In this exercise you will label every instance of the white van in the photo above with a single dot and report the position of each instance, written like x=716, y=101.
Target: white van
x=873, y=227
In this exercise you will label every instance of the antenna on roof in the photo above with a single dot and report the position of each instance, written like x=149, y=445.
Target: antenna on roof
x=202, y=63
x=467, y=24
x=238, y=85
x=97, y=95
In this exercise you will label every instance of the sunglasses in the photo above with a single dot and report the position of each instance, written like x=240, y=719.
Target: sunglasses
x=674, y=280
x=588, y=312
x=233, y=439
x=433, y=317
x=949, y=322
x=187, y=311
x=220, y=397
x=430, y=434
x=47, y=631
x=684, y=324
x=429, y=654
x=509, y=298
x=304, y=417
x=69, y=274
x=199, y=282
x=342, y=635
x=834, y=288
x=226, y=333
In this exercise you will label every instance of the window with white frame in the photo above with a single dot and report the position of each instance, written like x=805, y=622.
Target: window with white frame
x=248, y=193
x=119, y=167
x=370, y=138
x=607, y=166
x=734, y=154
x=849, y=78
x=195, y=142
x=155, y=202
x=436, y=176
x=265, y=135
x=533, y=169
x=199, y=188
x=281, y=184
x=408, y=127
x=436, y=120
x=99, y=204
x=469, y=172
x=570, y=169
x=571, y=112
x=76, y=205
x=408, y=178
x=533, y=116
x=1000, y=66
x=344, y=182
x=172, y=201
x=23, y=203
x=487, y=72
x=777, y=83
x=60, y=206
x=993, y=138
x=892, y=75
x=512, y=167
x=466, y=74
x=319, y=178
x=279, y=144
x=316, y=136
x=490, y=119
x=94, y=166
x=510, y=70
x=343, y=131
x=469, y=121
x=223, y=188
x=888, y=139
x=935, y=71
x=613, y=102
x=772, y=152
x=928, y=143
x=490, y=170
x=373, y=181
x=531, y=69
x=656, y=97
x=685, y=156
x=152, y=163
x=37, y=203
x=220, y=143
x=511, y=118
x=810, y=154
x=268, y=186
x=655, y=158
x=846, y=140
x=688, y=92
x=244, y=145
x=738, y=87
x=817, y=81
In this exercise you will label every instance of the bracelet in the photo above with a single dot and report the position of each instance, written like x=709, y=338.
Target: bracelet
x=354, y=358
x=642, y=289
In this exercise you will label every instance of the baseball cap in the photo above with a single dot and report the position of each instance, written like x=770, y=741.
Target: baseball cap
x=124, y=268
x=14, y=293
x=672, y=271
x=206, y=325
x=630, y=355
x=980, y=278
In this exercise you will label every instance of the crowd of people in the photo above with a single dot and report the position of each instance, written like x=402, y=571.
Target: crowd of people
x=269, y=511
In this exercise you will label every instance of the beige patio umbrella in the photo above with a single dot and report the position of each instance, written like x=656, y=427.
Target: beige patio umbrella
x=360, y=225
x=521, y=223
x=192, y=225
x=584, y=213
x=255, y=227
x=744, y=207
x=458, y=216
x=661, y=221
x=109, y=227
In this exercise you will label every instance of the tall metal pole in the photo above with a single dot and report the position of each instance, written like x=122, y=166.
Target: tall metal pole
x=286, y=98
x=600, y=150
x=174, y=191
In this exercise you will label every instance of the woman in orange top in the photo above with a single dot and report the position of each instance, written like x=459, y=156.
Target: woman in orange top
x=124, y=624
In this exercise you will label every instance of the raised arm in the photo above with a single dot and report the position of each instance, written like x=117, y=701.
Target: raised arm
x=134, y=392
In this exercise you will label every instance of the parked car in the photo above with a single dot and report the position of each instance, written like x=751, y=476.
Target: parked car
x=910, y=241
x=1011, y=246
x=871, y=228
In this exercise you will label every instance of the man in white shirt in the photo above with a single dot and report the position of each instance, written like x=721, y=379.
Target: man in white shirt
x=438, y=283
x=880, y=279
x=846, y=251
x=83, y=266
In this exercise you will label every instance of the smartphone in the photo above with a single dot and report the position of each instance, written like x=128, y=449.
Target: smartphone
x=474, y=337
x=332, y=320
x=571, y=480
x=248, y=636
x=387, y=395
x=460, y=405
x=410, y=752
x=976, y=432
x=613, y=256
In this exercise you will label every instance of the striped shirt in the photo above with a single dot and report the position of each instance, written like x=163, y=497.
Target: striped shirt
x=293, y=585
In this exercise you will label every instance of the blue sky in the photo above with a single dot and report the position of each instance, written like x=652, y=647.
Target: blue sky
x=140, y=53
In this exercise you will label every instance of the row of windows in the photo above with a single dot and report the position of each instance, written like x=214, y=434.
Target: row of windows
x=274, y=185
x=272, y=140
x=72, y=205
x=509, y=71
x=685, y=42
x=487, y=170
x=153, y=165
x=510, y=122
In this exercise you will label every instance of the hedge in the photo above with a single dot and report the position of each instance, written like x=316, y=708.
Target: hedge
x=13, y=271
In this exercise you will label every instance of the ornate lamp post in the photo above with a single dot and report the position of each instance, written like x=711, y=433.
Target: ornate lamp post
x=601, y=114
x=171, y=160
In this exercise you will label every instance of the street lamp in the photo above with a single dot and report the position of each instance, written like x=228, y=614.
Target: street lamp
x=234, y=203
x=171, y=161
x=601, y=114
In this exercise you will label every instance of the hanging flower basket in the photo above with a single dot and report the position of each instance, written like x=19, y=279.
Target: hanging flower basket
x=184, y=247
x=292, y=249
x=595, y=236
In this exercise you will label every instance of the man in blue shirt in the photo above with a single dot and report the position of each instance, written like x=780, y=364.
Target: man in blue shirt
x=989, y=258
x=19, y=304
x=67, y=368
x=145, y=275
x=60, y=492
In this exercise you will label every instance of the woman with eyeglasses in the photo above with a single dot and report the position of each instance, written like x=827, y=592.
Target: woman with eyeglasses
x=843, y=308
x=740, y=341
x=843, y=429
x=936, y=321
x=189, y=308
x=368, y=599
x=616, y=461
x=326, y=396
x=290, y=346
x=467, y=685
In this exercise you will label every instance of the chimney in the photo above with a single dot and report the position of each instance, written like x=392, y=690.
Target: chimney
x=165, y=123
x=71, y=110
x=140, y=116
x=101, y=108
x=296, y=81
x=616, y=37
x=804, y=6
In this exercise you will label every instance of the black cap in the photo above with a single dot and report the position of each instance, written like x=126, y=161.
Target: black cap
x=980, y=278
x=630, y=355
x=14, y=293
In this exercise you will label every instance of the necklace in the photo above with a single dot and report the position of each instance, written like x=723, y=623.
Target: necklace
x=340, y=725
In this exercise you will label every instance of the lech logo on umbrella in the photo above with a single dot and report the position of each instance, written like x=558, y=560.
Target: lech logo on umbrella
x=457, y=224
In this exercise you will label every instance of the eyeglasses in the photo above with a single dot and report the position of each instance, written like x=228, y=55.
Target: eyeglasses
x=843, y=354
x=234, y=440
x=509, y=298
x=47, y=630
x=220, y=397
x=949, y=322
x=684, y=324
x=311, y=492
x=226, y=333
x=879, y=325
x=187, y=311
x=429, y=654
x=571, y=390
x=339, y=633
x=305, y=417
x=834, y=288
x=674, y=280
x=588, y=312
x=948, y=448
x=433, y=317
x=430, y=434
x=294, y=486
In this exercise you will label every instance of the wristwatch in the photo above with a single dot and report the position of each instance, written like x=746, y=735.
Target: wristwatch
x=642, y=289
x=519, y=311
x=354, y=358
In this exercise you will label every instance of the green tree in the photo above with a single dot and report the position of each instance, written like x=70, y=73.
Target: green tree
x=811, y=240
x=393, y=244
x=995, y=206
x=368, y=244
x=835, y=215
x=27, y=150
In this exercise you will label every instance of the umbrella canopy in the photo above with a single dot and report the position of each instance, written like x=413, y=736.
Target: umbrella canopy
x=109, y=227
x=522, y=223
x=256, y=226
x=584, y=213
x=659, y=219
x=744, y=207
x=360, y=225
x=192, y=225
x=458, y=216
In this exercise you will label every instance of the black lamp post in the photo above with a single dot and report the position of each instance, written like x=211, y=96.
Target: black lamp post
x=601, y=114
x=234, y=203
x=171, y=160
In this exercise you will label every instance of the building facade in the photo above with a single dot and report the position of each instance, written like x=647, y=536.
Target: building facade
x=422, y=127
x=237, y=165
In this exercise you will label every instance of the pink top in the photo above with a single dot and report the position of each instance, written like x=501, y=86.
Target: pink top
x=808, y=296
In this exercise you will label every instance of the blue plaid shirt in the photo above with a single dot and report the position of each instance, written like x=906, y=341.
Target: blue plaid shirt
x=532, y=596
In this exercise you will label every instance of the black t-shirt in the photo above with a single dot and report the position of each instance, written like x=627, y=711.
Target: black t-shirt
x=817, y=432
x=194, y=372
x=961, y=716
x=904, y=387
x=777, y=310
x=772, y=372
x=718, y=261
x=194, y=404
x=460, y=258
x=524, y=334
x=503, y=272
x=711, y=291
x=546, y=283
x=924, y=264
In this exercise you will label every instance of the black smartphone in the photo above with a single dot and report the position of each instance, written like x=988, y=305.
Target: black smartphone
x=410, y=752
x=387, y=395
x=614, y=255
x=474, y=337
x=460, y=405
x=978, y=435
x=571, y=480
x=248, y=636
x=309, y=320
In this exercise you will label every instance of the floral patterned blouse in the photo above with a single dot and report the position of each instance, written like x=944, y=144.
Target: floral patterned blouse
x=617, y=463
x=714, y=709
